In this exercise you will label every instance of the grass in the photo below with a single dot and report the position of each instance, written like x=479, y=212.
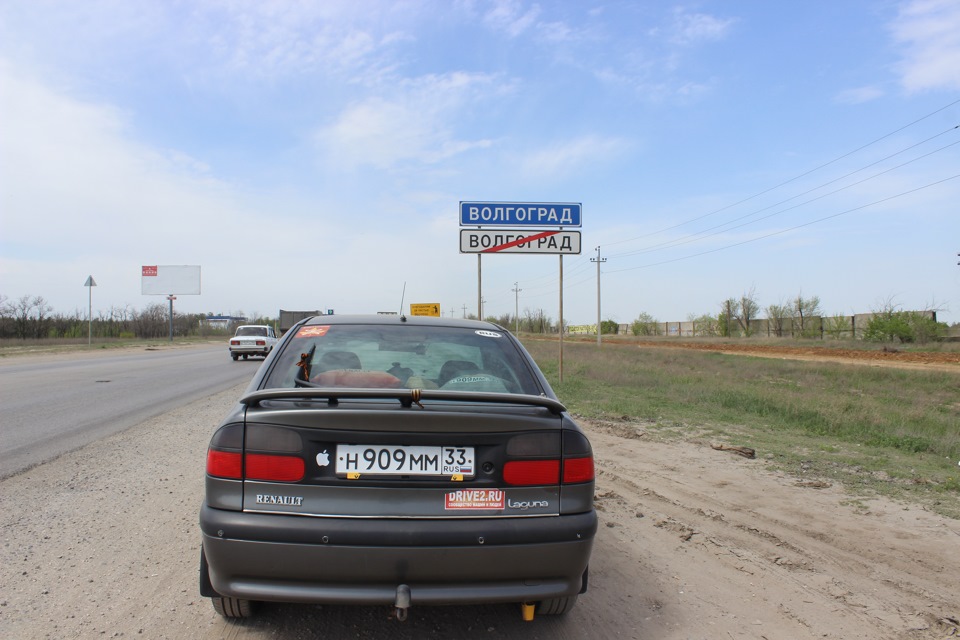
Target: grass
x=876, y=430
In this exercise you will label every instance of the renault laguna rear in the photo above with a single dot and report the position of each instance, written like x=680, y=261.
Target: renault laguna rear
x=397, y=461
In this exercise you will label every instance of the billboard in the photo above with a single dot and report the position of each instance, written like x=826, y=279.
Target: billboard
x=163, y=280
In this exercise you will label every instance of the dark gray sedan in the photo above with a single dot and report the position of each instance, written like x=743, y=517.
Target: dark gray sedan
x=398, y=461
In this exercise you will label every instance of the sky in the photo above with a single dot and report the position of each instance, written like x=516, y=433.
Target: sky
x=313, y=155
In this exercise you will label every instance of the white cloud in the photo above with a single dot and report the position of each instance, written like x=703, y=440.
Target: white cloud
x=83, y=196
x=858, y=95
x=78, y=161
x=693, y=28
x=576, y=155
x=928, y=32
x=77, y=186
x=416, y=124
x=511, y=17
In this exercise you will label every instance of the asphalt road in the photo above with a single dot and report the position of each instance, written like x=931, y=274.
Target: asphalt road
x=51, y=404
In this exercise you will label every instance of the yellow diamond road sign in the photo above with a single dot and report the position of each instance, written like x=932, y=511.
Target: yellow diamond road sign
x=425, y=309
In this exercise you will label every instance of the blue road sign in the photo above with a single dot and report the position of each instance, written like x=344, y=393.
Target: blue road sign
x=520, y=214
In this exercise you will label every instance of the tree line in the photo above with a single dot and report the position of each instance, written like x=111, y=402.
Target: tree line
x=33, y=318
x=803, y=317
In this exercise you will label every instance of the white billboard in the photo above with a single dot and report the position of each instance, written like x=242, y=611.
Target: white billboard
x=163, y=280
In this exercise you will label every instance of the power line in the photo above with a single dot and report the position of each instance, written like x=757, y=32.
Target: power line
x=782, y=231
x=793, y=179
x=703, y=234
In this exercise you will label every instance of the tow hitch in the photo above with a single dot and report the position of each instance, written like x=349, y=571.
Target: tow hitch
x=527, y=609
x=403, y=602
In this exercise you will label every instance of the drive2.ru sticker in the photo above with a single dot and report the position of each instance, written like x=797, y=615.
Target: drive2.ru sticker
x=475, y=499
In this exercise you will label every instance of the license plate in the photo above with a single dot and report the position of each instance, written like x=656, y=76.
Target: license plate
x=407, y=461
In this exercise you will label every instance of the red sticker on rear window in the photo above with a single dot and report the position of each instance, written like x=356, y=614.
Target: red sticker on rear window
x=313, y=332
x=475, y=499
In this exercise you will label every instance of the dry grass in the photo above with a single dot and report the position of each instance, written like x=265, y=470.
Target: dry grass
x=894, y=430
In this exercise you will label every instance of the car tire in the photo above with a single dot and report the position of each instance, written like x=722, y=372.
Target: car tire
x=232, y=607
x=556, y=606
x=234, y=356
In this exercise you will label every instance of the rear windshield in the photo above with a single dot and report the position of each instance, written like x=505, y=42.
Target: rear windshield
x=252, y=331
x=410, y=357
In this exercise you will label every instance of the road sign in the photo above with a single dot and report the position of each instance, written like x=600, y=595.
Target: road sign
x=425, y=309
x=519, y=241
x=520, y=214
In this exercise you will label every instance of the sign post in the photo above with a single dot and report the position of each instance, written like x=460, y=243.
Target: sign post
x=480, y=240
x=90, y=284
x=171, y=299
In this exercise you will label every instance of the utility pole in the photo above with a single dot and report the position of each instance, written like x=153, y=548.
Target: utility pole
x=516, y=307
x=598, y=260
x=464, y=312
x=90, y=284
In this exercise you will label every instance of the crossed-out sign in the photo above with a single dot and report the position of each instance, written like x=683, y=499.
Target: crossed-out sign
x=519, y=241
x=513, y=214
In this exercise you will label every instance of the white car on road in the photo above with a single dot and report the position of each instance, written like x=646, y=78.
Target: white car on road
x=252, y=340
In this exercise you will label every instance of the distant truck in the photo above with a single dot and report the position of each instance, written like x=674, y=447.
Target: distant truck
x=290, y=318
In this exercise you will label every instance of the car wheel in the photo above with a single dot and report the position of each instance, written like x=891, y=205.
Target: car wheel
x=244, y=356
x=556, y=606
x=232, y=607
x=234, y=356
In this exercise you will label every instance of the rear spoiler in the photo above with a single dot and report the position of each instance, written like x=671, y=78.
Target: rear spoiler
x=407, y=397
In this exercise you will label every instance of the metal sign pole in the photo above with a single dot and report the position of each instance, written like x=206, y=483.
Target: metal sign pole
x=561, y=318
x=479, y=290
x=90, y=284
x=171, y=298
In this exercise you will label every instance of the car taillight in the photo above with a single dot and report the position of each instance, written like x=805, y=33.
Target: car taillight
x=276, y=468
x=234, y=342
x=261, y=343
x=531, y=472
x=254, y=466
x=578, y=470
x=270, y=456
x=224, y=464
x=535, y=459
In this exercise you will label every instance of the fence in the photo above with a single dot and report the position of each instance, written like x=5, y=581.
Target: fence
x=836, y=327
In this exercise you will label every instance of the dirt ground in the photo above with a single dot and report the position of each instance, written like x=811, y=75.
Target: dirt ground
x=694, y=543
x=891, y=356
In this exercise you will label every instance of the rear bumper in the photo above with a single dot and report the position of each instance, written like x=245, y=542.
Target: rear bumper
x=362, y=561
x=254, y=351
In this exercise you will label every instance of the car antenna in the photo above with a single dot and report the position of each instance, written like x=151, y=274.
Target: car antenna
x=403, y=318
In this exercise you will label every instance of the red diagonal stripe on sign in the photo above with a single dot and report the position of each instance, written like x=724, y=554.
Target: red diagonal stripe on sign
x=520, y=241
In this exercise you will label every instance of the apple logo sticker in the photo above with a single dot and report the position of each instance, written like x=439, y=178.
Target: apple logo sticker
x=323, y=459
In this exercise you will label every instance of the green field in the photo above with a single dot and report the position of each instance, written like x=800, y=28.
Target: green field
x=875, y=430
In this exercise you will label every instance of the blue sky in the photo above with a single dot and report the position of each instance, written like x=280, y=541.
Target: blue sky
x=313, y=154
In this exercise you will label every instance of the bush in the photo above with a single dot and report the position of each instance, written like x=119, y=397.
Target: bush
x=890, y=325
x=837, y=325
x=609, y=327
x=645, y=325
